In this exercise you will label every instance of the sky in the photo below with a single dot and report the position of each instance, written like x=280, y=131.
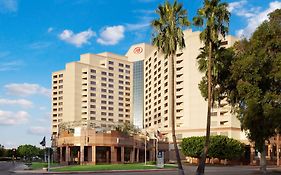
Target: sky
x=40, y=37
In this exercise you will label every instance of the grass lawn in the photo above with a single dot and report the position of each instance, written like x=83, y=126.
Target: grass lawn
x=139, y=166
x=40, y=165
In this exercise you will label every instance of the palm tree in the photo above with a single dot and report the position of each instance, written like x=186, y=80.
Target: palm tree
x=168, y=38
x=214, y=17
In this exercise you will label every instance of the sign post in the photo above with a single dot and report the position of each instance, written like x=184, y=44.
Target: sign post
x=160, y=159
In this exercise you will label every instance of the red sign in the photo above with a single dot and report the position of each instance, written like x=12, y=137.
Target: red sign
x=138, y=50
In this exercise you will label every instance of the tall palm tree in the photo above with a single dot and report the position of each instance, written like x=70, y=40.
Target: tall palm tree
x=214, y=17
x=168, y=38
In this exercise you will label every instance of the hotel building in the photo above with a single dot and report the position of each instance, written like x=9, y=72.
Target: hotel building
x=105, y=89
x=97, y=90
x=191, y=108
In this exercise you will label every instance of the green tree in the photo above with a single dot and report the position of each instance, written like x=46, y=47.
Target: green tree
x=169, y=38
x=28, y=151
x=255, y=81
x=221, y=147
x=2, y=150
x=214, y=17
x=127, y=129
x=192, y=146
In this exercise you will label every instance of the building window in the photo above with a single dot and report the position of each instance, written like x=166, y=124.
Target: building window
x=103, y=84
x=127, y=66
x=93, y=71
x=110, y=62
x=103, y=73
x=110, y=68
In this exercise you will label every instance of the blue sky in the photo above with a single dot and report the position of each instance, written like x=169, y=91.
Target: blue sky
x=40, y=37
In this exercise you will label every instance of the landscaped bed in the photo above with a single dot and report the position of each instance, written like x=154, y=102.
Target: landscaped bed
x=139, y=166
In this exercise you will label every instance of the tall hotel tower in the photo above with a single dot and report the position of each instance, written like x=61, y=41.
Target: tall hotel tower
x=107, y=89
x=191, y=108
x=97, y=88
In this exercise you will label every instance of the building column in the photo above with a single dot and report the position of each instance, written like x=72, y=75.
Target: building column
x=132, y=155
x=60, y=154
x=122, y=154
x=277, y=150
x=81, y=154
x=138, y=155
x=107, y=157
x=151, y=153
x=67, y=154
x=252, y=156
x=93, y=155
x=113, y=154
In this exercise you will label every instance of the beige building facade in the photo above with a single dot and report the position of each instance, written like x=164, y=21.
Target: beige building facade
x=191, y=108
x=96, y=88
x=108, y=89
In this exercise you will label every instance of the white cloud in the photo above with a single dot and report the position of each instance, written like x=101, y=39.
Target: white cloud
x=8, y=6
x=234, y=5
x=21, y=102
x=50, y=29
x=10, y=66
x=39, y=45
x=77, y=39
x=27, y=89
x=111, y=35
x=38, y=130
x=13, y=118
x=137, y=26
x=254, y=18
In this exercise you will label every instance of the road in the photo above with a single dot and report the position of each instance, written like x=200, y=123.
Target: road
x=6, y=168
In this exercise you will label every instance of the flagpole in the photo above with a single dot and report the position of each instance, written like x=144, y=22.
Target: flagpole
x=48, y=159
x=145, y=151
x=45, y=154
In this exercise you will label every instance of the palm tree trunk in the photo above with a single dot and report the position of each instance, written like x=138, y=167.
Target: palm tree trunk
x=180, y=169
x=201, y=167
x=263, y=160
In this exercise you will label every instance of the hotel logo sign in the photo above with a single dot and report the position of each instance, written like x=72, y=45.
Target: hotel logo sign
x=138, y=50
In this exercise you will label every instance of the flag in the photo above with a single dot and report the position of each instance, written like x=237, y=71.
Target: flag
x=159, y=135
x=43, y=142
x=147, y=135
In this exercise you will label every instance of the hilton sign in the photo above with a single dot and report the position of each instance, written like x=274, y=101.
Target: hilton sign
x=138, y=50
